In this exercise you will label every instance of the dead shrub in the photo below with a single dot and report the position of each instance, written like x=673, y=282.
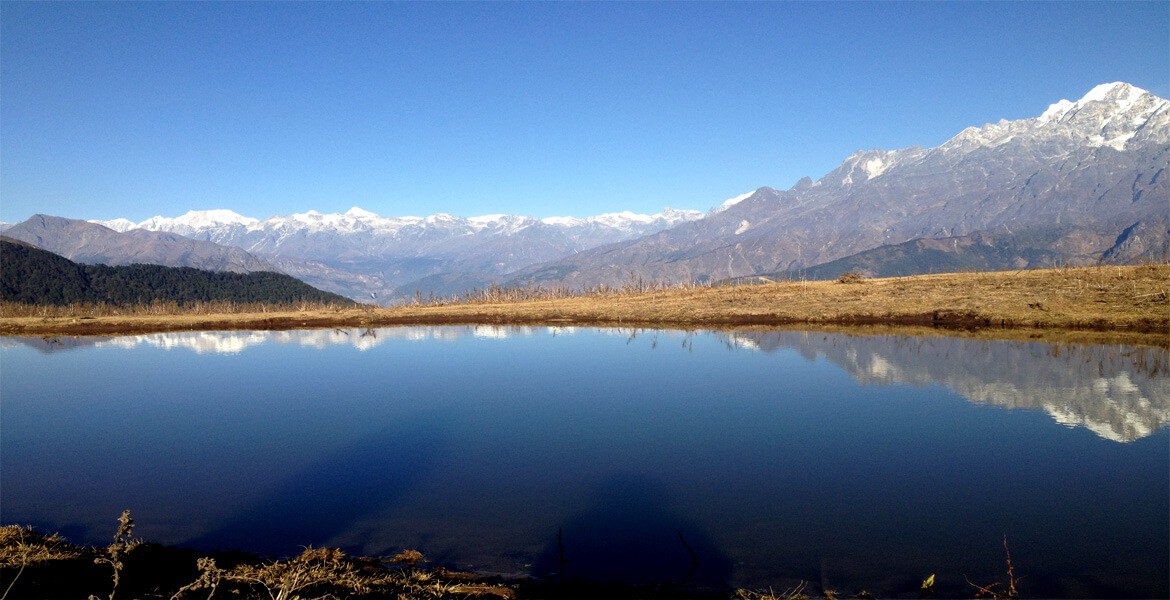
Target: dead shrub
x=852, y=277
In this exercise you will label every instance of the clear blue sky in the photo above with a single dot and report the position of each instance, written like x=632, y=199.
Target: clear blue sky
x=133, y=110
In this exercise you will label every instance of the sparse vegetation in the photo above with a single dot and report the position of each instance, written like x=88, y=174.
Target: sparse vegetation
x=116, y=552
x=314, y=574
x=331, y=574
x=794, y=593
x=1001, y=590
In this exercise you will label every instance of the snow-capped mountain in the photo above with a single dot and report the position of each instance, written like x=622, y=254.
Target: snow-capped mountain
x=223, y=225
x=396, y=251
x=192, y=223
x=119, y=225
x=1084, y=181
x=1111, y=114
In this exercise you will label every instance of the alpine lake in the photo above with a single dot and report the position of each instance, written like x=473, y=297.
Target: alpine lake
x=743, y=459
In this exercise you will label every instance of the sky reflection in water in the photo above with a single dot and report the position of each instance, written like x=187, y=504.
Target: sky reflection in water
x=849, y=462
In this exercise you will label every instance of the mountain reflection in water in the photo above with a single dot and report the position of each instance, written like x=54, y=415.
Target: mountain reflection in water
x=759, y=459
x=1119, y=392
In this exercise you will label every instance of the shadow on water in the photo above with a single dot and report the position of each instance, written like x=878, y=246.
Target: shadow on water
x=630, y=536
x=321, y=501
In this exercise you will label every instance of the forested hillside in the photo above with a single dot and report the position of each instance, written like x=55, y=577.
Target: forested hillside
x=33, y=276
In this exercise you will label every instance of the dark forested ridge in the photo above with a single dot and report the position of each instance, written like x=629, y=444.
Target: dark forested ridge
x=33, y=276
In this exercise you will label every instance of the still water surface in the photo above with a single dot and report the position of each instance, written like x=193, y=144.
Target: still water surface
x=849, y=462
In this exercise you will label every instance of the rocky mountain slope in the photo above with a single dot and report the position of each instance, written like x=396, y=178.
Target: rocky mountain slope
x=1085, y=181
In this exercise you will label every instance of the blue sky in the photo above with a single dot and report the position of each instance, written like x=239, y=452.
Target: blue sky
x=134, y=110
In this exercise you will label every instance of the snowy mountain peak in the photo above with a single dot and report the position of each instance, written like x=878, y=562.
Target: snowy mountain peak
x=200, y=218
x=1117, y=91
x=192, y=221
x=1110, y=114
x=1121, y=96
x=119, y=225
x=359, y=213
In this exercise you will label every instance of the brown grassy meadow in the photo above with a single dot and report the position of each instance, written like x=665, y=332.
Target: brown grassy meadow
x=1091, y=302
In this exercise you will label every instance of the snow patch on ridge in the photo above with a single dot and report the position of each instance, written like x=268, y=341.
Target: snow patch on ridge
x=728, y=203
x=865, y=165
x=875, y=166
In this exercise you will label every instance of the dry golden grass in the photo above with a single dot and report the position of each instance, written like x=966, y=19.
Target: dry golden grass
x=21, y=545
x=1127, y=300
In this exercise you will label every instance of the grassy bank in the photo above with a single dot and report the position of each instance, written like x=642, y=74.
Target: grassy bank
x=1091, y=303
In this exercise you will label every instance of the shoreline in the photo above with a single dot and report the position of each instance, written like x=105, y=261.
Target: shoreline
x=1089, y=304
x=36, y=564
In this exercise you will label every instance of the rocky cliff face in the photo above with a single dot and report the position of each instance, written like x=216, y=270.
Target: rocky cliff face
x=1084, y=181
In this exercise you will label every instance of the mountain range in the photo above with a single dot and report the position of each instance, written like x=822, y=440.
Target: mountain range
x=358, y=254
x=409, y=253
x=1083, y=182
